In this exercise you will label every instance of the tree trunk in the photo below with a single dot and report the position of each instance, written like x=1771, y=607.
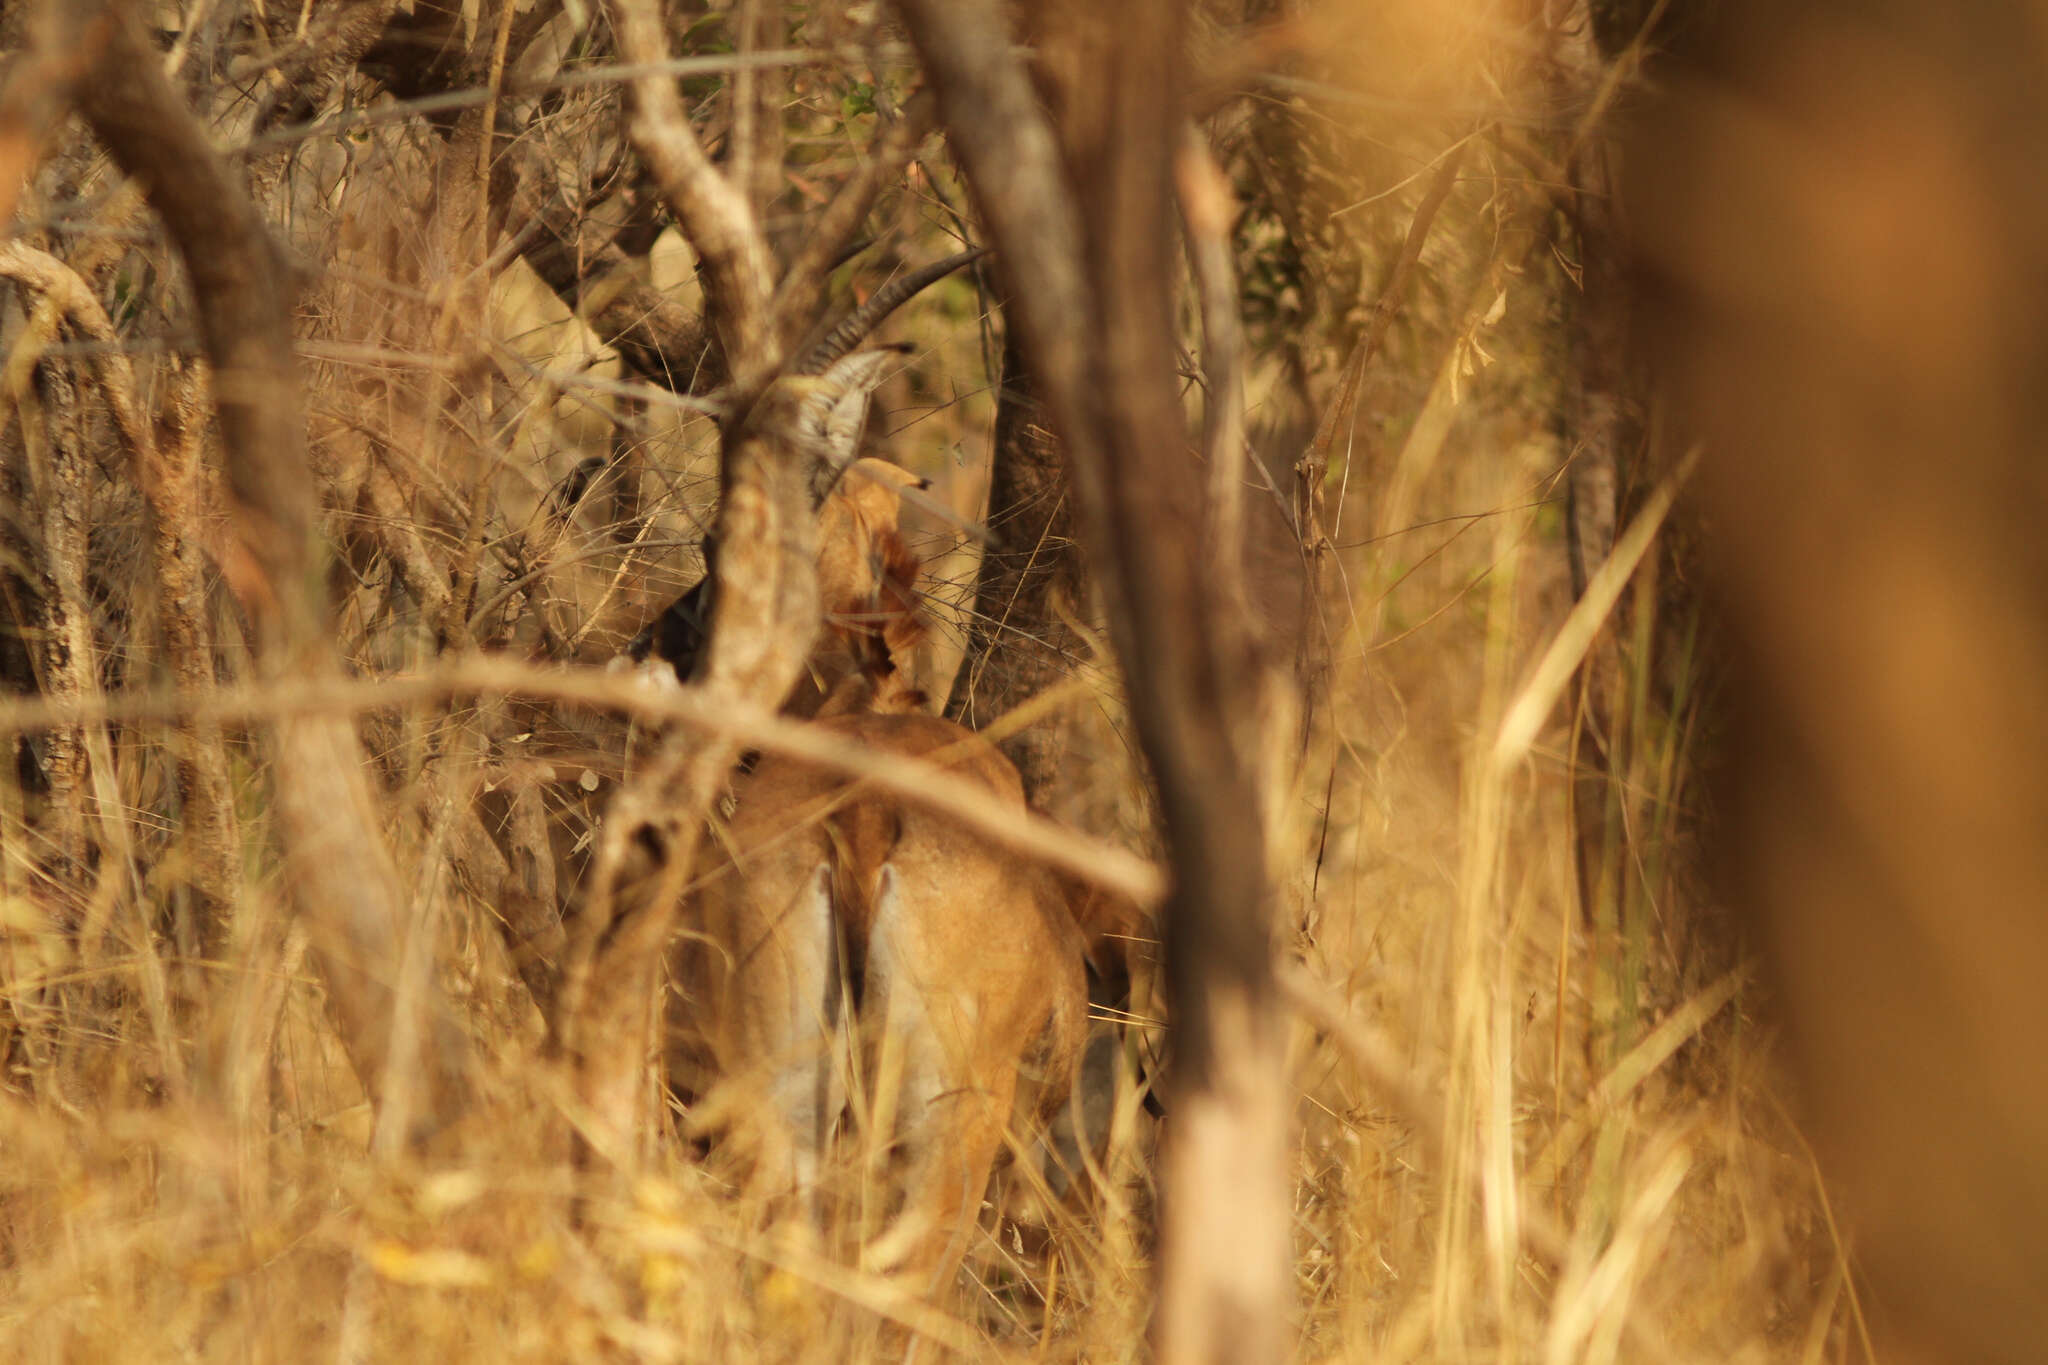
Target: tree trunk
x=1083, y=224
x=1019, y=641
x=339, y=873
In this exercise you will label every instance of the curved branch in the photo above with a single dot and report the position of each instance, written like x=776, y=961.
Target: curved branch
x=326, y=817
x=739, y=272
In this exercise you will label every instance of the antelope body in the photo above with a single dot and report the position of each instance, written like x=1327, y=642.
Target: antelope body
x=854, y=954
x=853, y=963
x=857, y=951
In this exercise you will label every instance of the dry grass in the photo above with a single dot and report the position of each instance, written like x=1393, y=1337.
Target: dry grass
x=1519, y=1138
x=1496, y=1161
x=1529, y=1188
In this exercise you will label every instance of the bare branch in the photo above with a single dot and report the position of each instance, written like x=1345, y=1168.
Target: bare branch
x=242, y=286
x=753, y=727
x=756, y=91
x=739, y=274
x=1081, y=228
x=1206, y=211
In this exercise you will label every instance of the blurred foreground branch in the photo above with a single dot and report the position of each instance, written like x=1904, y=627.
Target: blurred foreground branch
x=1082, y=219
x=1847, y=285
x=340, y=876
x=764, y=617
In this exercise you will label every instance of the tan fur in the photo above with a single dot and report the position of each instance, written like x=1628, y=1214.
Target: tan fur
x=966, y=963
x=868, y=583
x=862, y=514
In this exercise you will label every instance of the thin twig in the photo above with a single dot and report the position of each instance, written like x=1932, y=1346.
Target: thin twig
x=446, y=102
x=914, y=780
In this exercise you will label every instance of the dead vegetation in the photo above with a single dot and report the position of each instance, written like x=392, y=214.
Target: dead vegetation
x=338, y=874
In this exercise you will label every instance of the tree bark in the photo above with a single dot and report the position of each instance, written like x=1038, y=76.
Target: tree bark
x=1082, y=224
x=341, y=878
x=1019, y=643
x=57, y=486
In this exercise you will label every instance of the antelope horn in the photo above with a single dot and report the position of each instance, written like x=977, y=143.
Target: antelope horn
x=854, y=328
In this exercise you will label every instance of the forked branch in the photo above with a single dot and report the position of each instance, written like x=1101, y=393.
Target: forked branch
x=739, y=271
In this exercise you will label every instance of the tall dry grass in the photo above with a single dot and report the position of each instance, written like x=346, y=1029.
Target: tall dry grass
x=1521, y=1135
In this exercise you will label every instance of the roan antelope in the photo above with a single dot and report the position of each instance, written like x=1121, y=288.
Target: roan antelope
x=853, y=938
x=851, y=953
x=866, y=585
